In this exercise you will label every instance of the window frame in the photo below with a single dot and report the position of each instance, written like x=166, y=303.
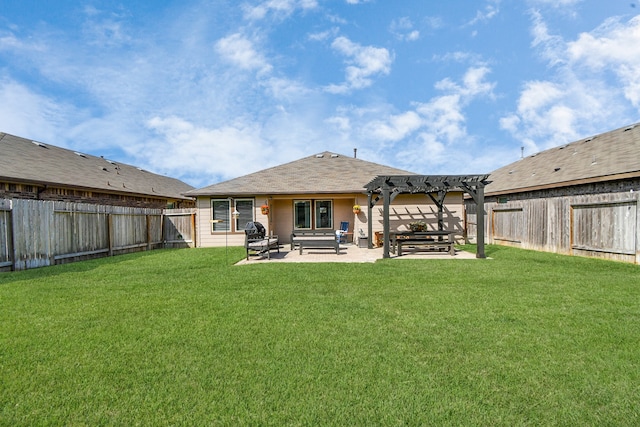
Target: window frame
x=314, y=214
x=225, y=225
x=309, y=211
x=318, y=215
x=238, y=221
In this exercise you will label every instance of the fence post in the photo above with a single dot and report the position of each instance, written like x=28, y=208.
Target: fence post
x=12, y=252
x=638, y=229
x=110, y=232
x=11, y=234
x=148, y=217
x=163, y=237
x=193, y=230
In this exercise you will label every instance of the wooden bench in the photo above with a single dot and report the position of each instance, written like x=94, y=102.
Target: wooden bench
x=315, y=239
x=261, y=246
x=428, y=243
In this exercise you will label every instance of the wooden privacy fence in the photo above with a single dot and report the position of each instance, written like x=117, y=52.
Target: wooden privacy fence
x=603, y=225
x=37, y=233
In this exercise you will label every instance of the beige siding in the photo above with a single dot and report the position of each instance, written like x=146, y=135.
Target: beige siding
x=208, y=238
x=282, y=219
x=343, y=211
x=360, y=221
x=282, y=213
x=407, y=208
x=404, y=209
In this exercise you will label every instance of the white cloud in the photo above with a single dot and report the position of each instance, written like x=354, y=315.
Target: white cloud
x=445, y=117
x=556, y=3
x=232, y=149
x=30, y=115
x=473, y=83
x=444, y=134
x=9, y=42
x=279, y=8
x=444, y=114
x=537, y=95
x=551, y=47
x=490, y=11
x=324, y=35
x=413, y=35
x=433, y=22
x=550, y=114
x=342, y=124
x=283, y=89
x=428, y=138
x=363, y=63
x=105, y=29
x=239, y=50
x=614, y=47
x=461, y=57
x=403, y=29
x=395, y=127
x=592, y=75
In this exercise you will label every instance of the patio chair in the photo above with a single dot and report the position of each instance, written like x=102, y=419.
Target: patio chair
x=343, y=231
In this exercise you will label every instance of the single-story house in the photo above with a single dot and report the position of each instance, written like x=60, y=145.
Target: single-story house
x=38, y=171
x=317, y=192
x=582, y=198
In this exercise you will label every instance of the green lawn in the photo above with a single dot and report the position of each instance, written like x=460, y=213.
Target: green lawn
x=183, y=337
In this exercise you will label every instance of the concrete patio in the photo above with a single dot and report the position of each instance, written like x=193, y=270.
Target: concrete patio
x=348, y=253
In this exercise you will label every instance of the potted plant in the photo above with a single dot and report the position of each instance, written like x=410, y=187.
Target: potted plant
x=417, y=226
x=356, y=209
x=264, y=209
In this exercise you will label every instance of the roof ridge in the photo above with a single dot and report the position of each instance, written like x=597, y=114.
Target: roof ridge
x=323, y=172
x=24, y=160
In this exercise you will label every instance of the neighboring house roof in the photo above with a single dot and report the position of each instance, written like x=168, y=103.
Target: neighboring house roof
x=321, y=173
x=26, y=161
x=609, y=156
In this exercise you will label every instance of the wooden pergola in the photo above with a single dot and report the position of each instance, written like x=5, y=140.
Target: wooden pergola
x=436, y=188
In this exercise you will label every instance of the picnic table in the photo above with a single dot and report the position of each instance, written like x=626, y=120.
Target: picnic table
x=434, y=239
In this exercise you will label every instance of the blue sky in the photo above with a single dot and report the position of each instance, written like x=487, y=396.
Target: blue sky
x=206, y=91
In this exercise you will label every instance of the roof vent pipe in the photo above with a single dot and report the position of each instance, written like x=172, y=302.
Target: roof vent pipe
x=355, y=153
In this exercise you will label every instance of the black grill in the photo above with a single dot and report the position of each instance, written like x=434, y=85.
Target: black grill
x=254, y=230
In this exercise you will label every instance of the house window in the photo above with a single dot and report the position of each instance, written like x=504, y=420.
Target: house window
x=324, y=214
x=302, y=214
x=245, y=209
x=321, y=216
x=220, y=214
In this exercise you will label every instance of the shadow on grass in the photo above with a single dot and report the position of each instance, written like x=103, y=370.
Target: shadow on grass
x=489, y=250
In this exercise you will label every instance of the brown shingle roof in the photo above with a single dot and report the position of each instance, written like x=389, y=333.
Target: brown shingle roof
x=320, y=173
x=26, y=161
x=608, y=156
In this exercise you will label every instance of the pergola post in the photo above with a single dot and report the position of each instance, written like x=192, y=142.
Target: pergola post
x=386, y=194
x=369, y=222
x=480, y=221
x=440, y=204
